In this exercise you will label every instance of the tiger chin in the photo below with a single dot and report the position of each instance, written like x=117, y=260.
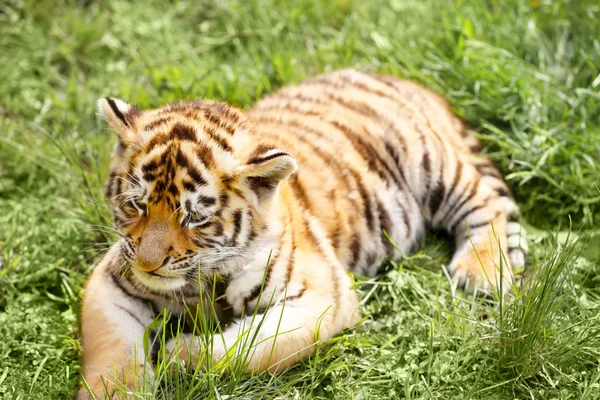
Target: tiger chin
x=281, y=202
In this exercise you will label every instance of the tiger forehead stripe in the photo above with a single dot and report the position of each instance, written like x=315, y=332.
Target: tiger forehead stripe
x=156, y=123
x=212, y=117
x=183, y=132
x=205, y=155
x=157, y=140
x=183, y=161
x=221, y=142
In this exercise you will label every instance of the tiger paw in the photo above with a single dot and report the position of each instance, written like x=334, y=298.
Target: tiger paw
x=483, y=270
x=185, y=349
x=135, y=385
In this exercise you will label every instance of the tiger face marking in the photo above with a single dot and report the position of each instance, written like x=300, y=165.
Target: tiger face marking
x=184, y=200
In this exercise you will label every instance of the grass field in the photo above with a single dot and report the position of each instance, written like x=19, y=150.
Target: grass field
x=524, y=74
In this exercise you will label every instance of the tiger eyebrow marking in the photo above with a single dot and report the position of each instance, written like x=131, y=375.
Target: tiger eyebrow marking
x=206, y=201
x=173, y=189
x=157, y=140
x=151, y=166
x=189, y=186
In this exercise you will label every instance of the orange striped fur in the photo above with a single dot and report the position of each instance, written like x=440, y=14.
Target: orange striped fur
x=298, y=190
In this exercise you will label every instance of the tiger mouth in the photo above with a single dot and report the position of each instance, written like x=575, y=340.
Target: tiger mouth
x=157, y=281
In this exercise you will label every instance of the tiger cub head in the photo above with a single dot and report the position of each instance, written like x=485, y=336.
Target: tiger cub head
x=191, y=189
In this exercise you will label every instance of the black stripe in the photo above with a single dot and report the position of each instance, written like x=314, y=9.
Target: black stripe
x=182, y=160
x=455, y=180
x=339, y=170
x=109, y=187
x=157, y=140
x=263, y=284
x=205, y=155
x=502, y=192
x=196, y=177
x=334, y=237
x=156, y=123
x=396, y=158
x=159, y=187
x=132, y=315
x=223, y=199
x=298, y=189
x=259, y=310
x=189, y=186
x=252, y=235
x=204, y=241
x=464, y=215
x=436, y=197
x=363, y=86
x=218, y=139
x=405, y=218
x=425, y=164
x=173, y=190
x=116, y=111
x=212, y=117
x=355, y=248
x=218, y=231
x=458, y=204
x=385, y=224
x=151, y=166
x=367, y=151
x=366, y=200
x=182, y=132
x=292, y=257
x=259, y=160
x=478, y=225
x=132, y=296
x=487, y=169
x=206, y=201
x=237, y=226
x=296, y=296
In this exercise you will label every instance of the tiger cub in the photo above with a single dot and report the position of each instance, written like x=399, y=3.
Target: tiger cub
x=281, y=202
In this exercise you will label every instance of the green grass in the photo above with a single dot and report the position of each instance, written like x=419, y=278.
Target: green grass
x=524, y=74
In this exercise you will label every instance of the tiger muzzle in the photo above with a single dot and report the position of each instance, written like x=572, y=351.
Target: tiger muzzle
x=153, y=250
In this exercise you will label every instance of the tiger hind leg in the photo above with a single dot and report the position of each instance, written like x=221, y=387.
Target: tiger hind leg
x=516, y=233
x=483, y=218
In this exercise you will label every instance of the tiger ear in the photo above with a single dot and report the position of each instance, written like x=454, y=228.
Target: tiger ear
x=120, y=117
x=266, y=168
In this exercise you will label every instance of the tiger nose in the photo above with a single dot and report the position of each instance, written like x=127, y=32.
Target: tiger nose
x=152, y=265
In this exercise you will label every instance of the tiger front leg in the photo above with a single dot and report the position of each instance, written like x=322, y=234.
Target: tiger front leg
x=273, y=340
x=113, y=326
